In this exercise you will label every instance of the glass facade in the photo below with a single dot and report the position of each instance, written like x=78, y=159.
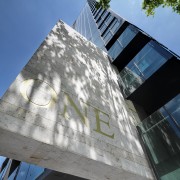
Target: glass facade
x=21, y=171
x=98, y=26
x=111, y=25
x=123, y=40
x=160, y=133
x=86, y=25
x=142, y=66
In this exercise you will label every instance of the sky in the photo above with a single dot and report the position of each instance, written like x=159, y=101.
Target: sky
x=26, y=23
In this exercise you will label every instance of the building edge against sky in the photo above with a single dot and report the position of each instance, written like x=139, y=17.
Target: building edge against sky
x=149, y=76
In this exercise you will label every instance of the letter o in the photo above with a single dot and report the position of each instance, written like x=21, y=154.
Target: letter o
x=38, y=92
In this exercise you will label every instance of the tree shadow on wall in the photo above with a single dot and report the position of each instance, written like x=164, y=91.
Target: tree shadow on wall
x=65, y=81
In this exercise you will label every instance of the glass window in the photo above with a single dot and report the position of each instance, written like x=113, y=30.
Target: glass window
x=148, y=60
x=115, y=25
x=115, y=50
x=127, y=36
x=13, y=175
x=104, y=14
x=98, y=42
x=107, y=36
x=130, y=80
x=173, y=107
x=112, y=24
x=103, y=27
x=29, y=171
x=6, y=165
x=122, y=41
x=34, y=172
x=105, y=33
x=162, y=140
x=23, y=171
x=100, y=21
x=97, y=12
x=109, y=20
x=94, y=11
x=109, y=15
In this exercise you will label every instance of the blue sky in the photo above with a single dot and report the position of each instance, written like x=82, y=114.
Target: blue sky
x=26, y=23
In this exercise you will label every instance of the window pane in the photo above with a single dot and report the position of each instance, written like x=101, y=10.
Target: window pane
x=23, y=171
x=34, y=172
x=107, y=37
x=109, y=19
x=106, y=32
x=109, y=15
x=122, y=41
x=104, y=14
x=115, y=26
x=149, y=60
x=103, y=27
x=130, y=80
x=173, y=107
x=99, y=14
x=127, y=36
x=115, y=50
x=100, y=21
x=162, y=139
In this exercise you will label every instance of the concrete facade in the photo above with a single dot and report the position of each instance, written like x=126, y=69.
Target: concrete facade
x=65, y=111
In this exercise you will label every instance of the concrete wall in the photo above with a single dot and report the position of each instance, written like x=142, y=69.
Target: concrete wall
x=65, y=111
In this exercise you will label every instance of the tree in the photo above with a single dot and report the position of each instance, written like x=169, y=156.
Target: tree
x=148, y=5
x=103, y=3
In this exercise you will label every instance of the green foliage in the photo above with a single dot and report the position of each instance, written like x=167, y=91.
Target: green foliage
x=103, y=3
x=150, y=5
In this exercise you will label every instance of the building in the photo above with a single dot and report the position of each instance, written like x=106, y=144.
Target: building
x=149, y=76
x=86, y=115
x=65, y=112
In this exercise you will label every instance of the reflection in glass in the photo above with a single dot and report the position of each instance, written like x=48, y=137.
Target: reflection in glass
x=104, y=14
x=109, y=19
x=16, y=170
x=107, y=36
x=115, y=50
x=99, y=14
x=161, y=136
x=85, y=25
x=122, y=41
x=141, y=67
x=103, y=27
x=129, y=80
x=115, y=26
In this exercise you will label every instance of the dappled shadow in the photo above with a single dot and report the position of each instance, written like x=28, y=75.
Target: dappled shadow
x=61, y=95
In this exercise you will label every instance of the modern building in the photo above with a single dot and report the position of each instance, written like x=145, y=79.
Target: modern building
x=13, y=169
x=106, y=113
x=65, y=112
x=149, y=76
x=16, y=170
